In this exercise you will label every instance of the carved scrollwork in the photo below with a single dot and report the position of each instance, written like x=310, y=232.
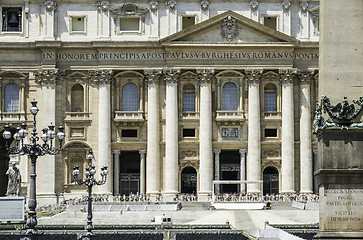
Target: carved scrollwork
x=171, y=75
x=184, y=164
x=47, y=76
x=204, y=4
x=286, y=5
x=188, y=154
x=205, y=75
x=51, y=5
x=153, y=75
x=254, y=5
x=103, y=5
x=229, y=28
x=287, y=75
x=304, y=6
x=305, y=76
x=101, y=76
x=154, y=5
x=253, y=75
x=171, y=4
x=271, y=153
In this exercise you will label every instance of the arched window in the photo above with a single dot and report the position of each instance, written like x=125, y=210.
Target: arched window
x=130, y=97
x=11, y=103
x=189, y=98
x=270, y=96
x=229, y=97
x=77, y=98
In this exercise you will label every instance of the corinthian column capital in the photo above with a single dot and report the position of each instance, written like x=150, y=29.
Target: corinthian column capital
x=171, y=75
x=101, y=76
x=46, y=76
x=253, y=75
x=153, y=75
x=305, y=76
x=287, y=74
x=205, y=75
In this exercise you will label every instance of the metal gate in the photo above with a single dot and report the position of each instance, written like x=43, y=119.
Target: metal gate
x=129, y=183
x=270, y=183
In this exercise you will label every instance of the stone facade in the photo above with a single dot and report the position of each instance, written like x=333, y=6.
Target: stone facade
x=170, y=95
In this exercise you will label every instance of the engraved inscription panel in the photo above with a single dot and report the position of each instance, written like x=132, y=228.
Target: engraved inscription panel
x=342, y=208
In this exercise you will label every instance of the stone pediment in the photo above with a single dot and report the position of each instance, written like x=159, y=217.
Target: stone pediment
x=229, y=27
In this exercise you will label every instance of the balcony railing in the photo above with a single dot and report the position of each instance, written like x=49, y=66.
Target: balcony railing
x=13, y=117
x=129, y=116
x=222, y=115
x=78, y=116
x=272, y=114
x=190, y=114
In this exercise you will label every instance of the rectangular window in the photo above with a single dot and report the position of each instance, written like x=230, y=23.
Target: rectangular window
x=189, y=102
x=270, y=132
x=270, y=102
x=188, y=21
x=78, y=24
x=129, y=24
x=129, y=133
x=270, y=22
x=188, y=132
x=11, y=19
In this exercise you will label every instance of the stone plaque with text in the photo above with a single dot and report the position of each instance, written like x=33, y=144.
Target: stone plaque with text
x=12, y=209
x=342, y=206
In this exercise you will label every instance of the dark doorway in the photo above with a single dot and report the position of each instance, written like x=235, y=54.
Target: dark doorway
x=4, y=164
x=230, y=170
x=270, y=181
x=189, y=180
x=129, y=172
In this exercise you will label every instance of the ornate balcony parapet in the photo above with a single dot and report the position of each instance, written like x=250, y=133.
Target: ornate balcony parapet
x=229, y=117
x=189, y=115
x=13, y=117
x=78, y=117
x=272, y=114
x=132, y=118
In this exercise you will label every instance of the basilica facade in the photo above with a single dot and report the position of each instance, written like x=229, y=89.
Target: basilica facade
x=170, y=95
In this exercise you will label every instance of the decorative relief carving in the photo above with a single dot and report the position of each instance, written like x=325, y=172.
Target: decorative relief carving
x=305, y=76
x=205, y=75
x=142, y=152
x=103, y=5
x=77, y=77
x=270, y=163
x=184, y=164
x=204, y=4
x=271, y=153
x=47, y=76
x=171, y=75
x=217, y=151
x=129, y=9
x=153, y=75
x=287, y=75
x=253, y=75
x=171, y=4
x=304, y=6
x=101, y=76
x=286, y=5
x=271, y=76
x=188, y=154
x=154, y=5
x=189, y=76
x=254, y=5
x=229, y=28
x=51, y=5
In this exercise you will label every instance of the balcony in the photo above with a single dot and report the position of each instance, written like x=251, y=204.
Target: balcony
x=272, y=115
x=129, y=117
x=229, y=117
x=13, y=117
x=78, y=117
x=190, y=115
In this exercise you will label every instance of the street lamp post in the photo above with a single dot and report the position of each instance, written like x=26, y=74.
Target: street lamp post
x=89, y=182
x=34, y=149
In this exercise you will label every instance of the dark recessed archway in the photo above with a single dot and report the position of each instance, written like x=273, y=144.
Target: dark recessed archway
x=189, y=180
x=270, y=181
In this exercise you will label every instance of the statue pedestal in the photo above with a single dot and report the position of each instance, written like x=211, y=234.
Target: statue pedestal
x=340, y=180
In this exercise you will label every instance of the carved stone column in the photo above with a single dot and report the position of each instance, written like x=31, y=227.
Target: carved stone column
x=287, y=135
x=142, y=153
x=46, y=182
x=103, y=80
x=306, y=161
x=254, y=130
x=104, y=18
x=242, y=153
x=171, y=138
x=50, y=12
x=205, y=135
x=116, y=172
x=153, y=135
x=217, y=152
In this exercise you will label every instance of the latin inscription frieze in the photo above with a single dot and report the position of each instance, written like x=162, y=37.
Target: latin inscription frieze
x=117, y=56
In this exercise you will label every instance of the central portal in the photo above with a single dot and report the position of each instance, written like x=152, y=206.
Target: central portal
x=129, y=172
x=230, y=170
